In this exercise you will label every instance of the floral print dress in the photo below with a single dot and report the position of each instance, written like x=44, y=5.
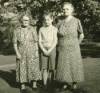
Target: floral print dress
x=70, y=66
x=27, y=68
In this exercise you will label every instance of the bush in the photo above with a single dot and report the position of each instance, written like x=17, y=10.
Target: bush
x=87, y=10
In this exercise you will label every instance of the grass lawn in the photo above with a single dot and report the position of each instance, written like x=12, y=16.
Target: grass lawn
x=91, y=84
x=92, y=74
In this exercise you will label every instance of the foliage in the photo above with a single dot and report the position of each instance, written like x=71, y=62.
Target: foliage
x=89, y=13
x=11, y=10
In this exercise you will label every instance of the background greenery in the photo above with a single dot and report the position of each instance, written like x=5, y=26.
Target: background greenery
x=11, y=10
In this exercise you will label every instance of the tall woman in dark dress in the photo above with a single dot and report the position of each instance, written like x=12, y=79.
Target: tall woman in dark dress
x=70, y=66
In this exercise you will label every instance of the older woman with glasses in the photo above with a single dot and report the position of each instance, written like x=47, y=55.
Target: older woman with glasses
x=26, y=48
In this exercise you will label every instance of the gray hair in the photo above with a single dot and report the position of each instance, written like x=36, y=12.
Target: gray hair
x=69, y=4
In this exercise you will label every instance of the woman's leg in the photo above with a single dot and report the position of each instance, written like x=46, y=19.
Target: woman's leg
x=44, y=60
x=63, y=86
x=34, y=84
x=66, y=85
x=74, y=85
x=45, y=76
x=52, y=63
x=51, y=75
x=23, y=86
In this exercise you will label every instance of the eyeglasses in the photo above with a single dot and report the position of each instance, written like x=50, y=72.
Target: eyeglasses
x=25, y=20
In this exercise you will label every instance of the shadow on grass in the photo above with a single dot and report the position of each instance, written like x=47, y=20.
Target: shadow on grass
x=7, y=82
x=9, y=77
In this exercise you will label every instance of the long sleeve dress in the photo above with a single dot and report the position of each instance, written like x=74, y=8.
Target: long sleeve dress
x=70, y=66
x=27, y=68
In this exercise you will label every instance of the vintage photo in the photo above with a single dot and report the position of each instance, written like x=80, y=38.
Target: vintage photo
x=49, y=46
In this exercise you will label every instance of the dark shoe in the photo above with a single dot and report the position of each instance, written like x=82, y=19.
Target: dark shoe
x=34, y=88
x=45, y=87
x=64, y=88
x=23, y=91
x=74, y=86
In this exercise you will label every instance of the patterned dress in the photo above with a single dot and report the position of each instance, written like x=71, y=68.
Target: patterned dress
x=70, y=67
x=27, y=68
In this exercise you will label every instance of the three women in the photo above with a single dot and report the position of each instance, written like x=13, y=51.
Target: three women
x=70, y=35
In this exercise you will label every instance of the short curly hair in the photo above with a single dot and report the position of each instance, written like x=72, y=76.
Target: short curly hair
x=69, y=4
x=48, y=14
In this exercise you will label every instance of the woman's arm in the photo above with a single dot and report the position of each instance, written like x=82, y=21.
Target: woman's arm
x=81, y=37
x=80, y=30
x=58, y=25
x=61, y=33
x=40, y=43
x=18, y=55
x=35, y=35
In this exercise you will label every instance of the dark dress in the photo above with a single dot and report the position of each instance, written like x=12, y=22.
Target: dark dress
x=70, y=66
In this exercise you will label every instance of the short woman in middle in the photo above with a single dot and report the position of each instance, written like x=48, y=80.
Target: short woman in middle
x=48, y=42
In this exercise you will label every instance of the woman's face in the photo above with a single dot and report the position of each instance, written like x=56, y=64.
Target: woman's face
x=67, y=10
x=48, y=20
x=25, y=22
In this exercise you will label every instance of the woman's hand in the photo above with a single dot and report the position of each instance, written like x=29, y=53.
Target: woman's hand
x=46, y=53
x=18, y=55
x=81, y=37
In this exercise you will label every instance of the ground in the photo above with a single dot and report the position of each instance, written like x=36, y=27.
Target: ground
x=8, y=83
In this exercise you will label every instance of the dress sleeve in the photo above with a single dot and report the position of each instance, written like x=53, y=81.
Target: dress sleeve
x=40, y=40
x=58, y=24
x=59, y=31
x=55, y=36
x=35, y=35
x=15, y=37
x=80, y=29
x=40, y=37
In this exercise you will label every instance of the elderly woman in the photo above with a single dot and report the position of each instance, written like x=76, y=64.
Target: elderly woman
x=26, y=48
x=70, y=66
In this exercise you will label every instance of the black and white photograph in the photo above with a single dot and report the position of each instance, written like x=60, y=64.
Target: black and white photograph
x=49, y=46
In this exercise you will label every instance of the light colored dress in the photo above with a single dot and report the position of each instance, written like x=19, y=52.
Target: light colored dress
x=48, y=38
x=27, y=68
x=70, y=66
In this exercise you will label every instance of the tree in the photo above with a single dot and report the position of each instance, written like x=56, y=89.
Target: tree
x=90, y=15
x=87, y=10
